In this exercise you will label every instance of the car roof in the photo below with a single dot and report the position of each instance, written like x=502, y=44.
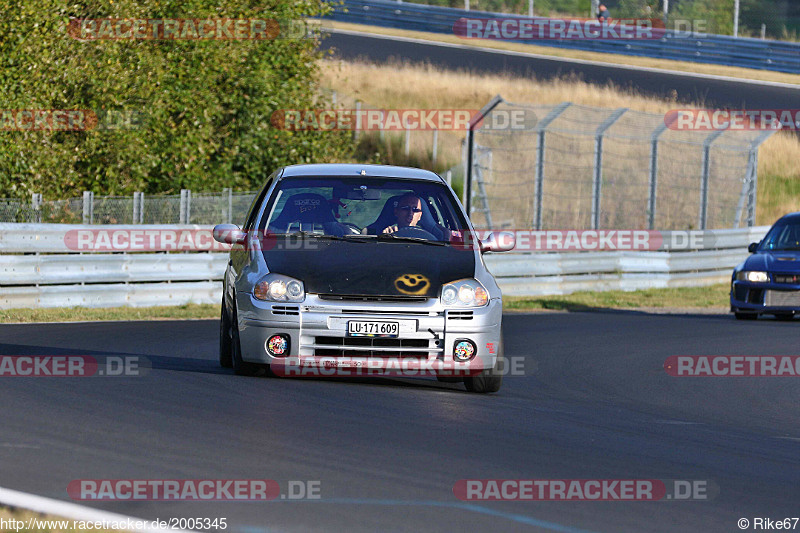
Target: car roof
x=789, y=217
x=355, y=170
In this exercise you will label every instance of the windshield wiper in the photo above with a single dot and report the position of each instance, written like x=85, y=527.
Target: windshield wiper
x=304, y=234
x=392, y=236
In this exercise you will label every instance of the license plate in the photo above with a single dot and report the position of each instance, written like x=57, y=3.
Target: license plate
x=372, y=328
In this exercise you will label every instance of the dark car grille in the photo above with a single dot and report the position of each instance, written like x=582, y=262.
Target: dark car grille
x=359, y=298
x=376, y=342
x=786, y=278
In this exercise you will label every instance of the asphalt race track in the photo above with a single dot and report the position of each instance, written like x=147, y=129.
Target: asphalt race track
x=714, y=92
x=595, y=403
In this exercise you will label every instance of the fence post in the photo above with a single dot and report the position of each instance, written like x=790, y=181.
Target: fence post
x=358, y=120
x=598, y=164
x=704, y=180
x=751, y=183
x=407, y=141
x=36, y=207
x=471, y=148
x=435, y=145
x=230, y=204
x=88, y=207
x=186, y=206
x=541, y=130
x=138, y=208
x=651, y=201
x=448, y=176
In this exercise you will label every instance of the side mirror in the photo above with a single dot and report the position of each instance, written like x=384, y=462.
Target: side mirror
x=503, y=241
x=229, y=234
x=753, y=246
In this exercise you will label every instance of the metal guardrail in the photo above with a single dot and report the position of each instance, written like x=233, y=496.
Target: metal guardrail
x=38, y=270
x=714, y=49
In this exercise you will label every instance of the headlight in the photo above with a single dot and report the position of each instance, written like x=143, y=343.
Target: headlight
x=753, y=276
x=279, y=288
x=464, y=293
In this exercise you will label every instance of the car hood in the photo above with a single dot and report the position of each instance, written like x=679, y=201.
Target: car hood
x=372, y=268
x=774, y=262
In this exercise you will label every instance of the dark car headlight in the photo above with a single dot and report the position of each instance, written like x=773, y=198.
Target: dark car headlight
x=279, y=288
x=753, y=276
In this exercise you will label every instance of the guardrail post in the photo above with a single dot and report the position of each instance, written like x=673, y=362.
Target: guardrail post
x=598, y=164
x=435, y=146
x=407, y=147
x=651, y=200
x=88, y=207
x=186, y=206
x=704, y=180
x=36, y=207
x=541, y=130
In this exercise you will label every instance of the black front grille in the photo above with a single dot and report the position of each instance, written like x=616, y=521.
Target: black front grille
x=362, y=298
x=459, y=315
x=377, y=342
x=787, y=278
x=755, y=296
x=285, y=310
x=740, y=293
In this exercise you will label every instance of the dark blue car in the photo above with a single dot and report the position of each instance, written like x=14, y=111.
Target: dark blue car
x=768, y=282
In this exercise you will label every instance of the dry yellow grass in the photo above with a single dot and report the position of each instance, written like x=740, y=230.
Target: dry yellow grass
x=399, y=85
x=683, y=66
x=404, y=85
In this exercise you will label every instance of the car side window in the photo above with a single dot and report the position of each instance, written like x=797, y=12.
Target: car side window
x=252, y=213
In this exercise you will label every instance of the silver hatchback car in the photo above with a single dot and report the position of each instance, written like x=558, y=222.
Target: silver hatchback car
x=367, y=268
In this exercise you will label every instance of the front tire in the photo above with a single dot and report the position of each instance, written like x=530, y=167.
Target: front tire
x=225, y=344
x=490, y=379
x=745, y=316
x=240, y=367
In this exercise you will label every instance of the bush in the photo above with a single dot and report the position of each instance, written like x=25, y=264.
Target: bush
x=201, y=108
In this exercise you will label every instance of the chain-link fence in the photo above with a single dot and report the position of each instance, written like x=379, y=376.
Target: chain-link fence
x=185, y=208
x=578, y=167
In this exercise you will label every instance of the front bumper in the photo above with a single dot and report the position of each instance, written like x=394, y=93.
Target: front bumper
x=764, y=297
x=318, y=327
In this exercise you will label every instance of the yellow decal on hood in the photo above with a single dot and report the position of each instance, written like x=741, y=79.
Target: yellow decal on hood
x=414, y=284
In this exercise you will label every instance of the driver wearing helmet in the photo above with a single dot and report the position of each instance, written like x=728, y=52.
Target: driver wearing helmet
x=407, y=213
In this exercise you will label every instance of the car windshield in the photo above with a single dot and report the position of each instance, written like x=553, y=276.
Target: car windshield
x=782, y=237
x=358, y=208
